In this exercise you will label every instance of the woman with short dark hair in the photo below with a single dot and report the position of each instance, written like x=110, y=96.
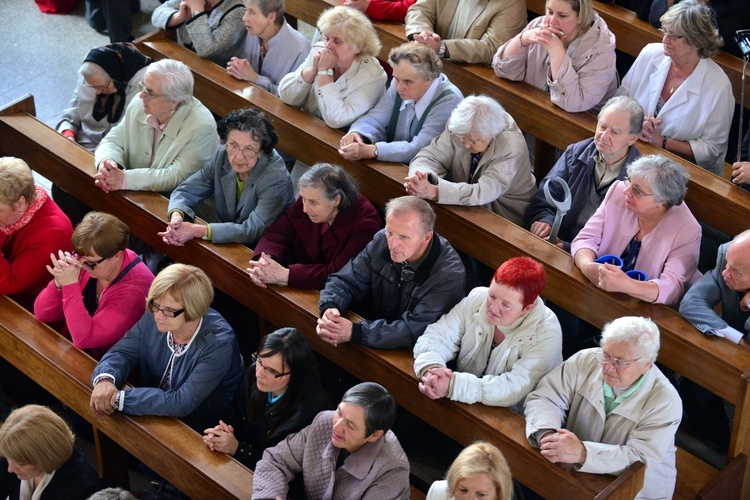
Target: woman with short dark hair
x=99, y=290
x=247, y=179
x=328, y=224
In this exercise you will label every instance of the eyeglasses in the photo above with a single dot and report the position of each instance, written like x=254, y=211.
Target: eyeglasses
x=92, y=265
x=617, y=364
x=248, y=152
x=635, y=189
x=154, y=307
x=671, y=36
x=100, y=88
x=257, y=359
x=148, y=93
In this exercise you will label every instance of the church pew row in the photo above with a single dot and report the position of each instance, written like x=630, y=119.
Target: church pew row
x=537, y=116
x=487, y=237
x=166, y=445
x=633, y=34
x=145, y=213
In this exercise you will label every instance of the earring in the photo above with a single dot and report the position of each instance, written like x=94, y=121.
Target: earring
x=21, y=212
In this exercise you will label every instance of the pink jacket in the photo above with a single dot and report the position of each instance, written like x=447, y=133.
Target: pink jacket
x=669, y=253
x=120, y=306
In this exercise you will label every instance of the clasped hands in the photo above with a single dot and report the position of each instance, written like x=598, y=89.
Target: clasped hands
x=221, y=438
x=562, y=447
x=546, y=36
x=65, y=268
x=420, y=186
x=266, y=271
x=435, y=382
x=109, y=176
x=179, y=232
x=353, y=147
x=242, y=70
x=323, y=60
x=334, y=328
x=650, y=131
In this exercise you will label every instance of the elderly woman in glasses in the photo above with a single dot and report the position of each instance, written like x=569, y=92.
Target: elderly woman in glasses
x=481, y=158
x=686, y=96
x=99, y=291
x=186, y=354
x=279, y=395
x=165, y=136
x=644, y=221
x=247, y=179
x=604, y=409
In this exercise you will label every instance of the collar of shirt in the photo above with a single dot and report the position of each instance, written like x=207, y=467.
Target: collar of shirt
x=612, y=401
x=421, y=106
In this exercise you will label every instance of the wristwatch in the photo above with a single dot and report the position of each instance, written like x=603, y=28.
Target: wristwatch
x=197, y=13
x=441, y=52
x=328, y=72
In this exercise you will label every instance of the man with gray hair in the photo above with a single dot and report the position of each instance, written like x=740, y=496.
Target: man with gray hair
x=405, y=279
x=589, y=167
x=727, y=284
x=604, y=409
x=347, y=453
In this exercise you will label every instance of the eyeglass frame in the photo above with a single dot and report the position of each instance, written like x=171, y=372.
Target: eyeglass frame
x=635, y=189
x=671, y=36
x=92, y=265
x=166, y=312
x=617, y=364
x=149, y=93
x=100, y=88
x=233, y=148
x=257, y=359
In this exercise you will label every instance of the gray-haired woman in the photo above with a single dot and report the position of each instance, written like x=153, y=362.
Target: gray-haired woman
x=327, y=226
x=644, y=221
x=480, y=159
x=686, y=96
x=165, y=136
x=247, y=180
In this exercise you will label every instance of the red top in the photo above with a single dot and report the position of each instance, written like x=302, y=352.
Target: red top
x=388, y=10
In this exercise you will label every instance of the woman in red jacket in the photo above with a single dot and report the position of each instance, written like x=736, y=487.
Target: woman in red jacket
x=31, y=226
x=328, y=225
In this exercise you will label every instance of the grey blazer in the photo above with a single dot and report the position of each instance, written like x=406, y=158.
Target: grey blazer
x=268, y=193
x=698, y=304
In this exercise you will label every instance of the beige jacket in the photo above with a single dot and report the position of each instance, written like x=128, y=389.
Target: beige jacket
x=641, y=428
x=490, y=24
x=503, y=181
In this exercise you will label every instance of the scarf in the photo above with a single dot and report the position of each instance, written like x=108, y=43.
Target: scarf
x=41, y=197
x=121, y=61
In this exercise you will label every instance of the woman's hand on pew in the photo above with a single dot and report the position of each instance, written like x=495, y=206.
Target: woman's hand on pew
x=436, y=382
x=65, y=268
x=353, y=147
x=103, y=398
x=266, y=271
x=179, y=232
x=221, y=438
x=109, y=176
x=419, y=185
x=242, y=70
x=333, y=328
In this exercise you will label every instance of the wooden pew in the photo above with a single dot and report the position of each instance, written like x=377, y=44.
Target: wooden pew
x=536, y=115
x=492, y=240
x=166, y=445
x=633, y=34
x=70, y=167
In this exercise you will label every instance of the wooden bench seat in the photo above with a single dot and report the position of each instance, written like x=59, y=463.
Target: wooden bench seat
x=69, y=166
x=536, y=115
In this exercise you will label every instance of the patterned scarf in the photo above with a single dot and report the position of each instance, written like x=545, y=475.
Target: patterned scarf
x=41, y=197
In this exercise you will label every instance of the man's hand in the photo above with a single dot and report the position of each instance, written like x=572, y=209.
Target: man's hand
x=563, y=447
x=432, y=40
x=333, y=328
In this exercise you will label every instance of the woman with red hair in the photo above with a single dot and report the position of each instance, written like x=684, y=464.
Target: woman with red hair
x=504, y=340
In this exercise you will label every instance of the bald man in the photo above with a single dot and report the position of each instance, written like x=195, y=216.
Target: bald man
x=729, y=284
